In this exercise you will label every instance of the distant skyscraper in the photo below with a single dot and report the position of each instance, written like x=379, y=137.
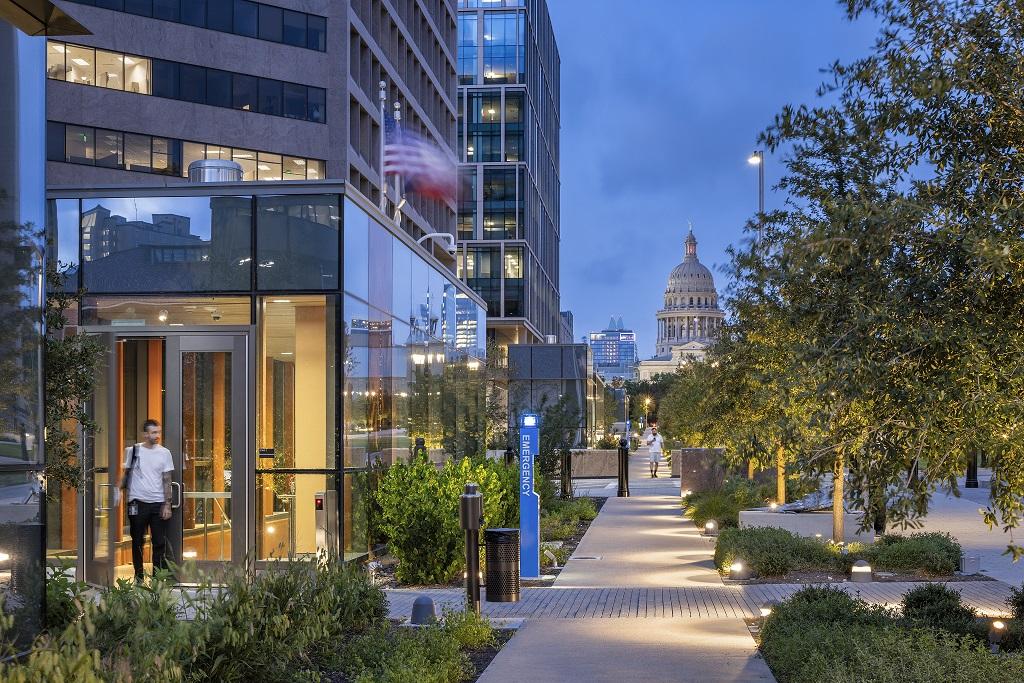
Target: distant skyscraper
x=567, y=328
x=614, y=351
x=508, y=147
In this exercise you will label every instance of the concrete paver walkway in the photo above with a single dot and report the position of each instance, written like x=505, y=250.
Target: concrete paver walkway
x=641, y=545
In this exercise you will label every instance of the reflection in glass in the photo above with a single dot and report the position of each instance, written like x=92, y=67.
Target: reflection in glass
x=158, y=311
x=173, y=244
x=298, y=242
x=357, y=248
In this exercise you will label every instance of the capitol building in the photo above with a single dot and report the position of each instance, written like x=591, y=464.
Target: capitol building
x=689, y=319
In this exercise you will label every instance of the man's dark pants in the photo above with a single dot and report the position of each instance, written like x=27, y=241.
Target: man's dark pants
x=148, y=517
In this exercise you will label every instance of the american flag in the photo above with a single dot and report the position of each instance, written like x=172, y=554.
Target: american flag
x=424, y=167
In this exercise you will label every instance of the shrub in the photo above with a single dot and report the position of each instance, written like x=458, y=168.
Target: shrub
x=772, y=552
x=389, y=655
x=419, y=507
x=470, y=630
x=563, y=517
x=936, y=554
x=936, y=606
x=1016, y=602
x=724, y=504
x=823, y=634
x=63, y=598
x=607, y=442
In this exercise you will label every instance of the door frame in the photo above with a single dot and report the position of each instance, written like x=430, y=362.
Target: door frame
x=103, y=571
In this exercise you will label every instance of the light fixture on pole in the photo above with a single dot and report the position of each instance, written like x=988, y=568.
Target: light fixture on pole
x=757, y=159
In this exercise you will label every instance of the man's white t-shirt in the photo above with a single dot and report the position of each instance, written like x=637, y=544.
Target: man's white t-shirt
x=147, y=481
x=654, y=442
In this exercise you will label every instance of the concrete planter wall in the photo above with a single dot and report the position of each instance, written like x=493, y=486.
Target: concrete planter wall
x=593, y=463
x=807, y=524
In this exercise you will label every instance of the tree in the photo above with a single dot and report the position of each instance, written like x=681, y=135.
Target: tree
x=893, y=273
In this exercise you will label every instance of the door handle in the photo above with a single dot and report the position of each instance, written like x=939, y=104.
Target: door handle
x=99, y=503
x=176, y=489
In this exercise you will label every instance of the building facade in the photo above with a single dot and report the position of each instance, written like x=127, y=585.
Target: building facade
x=614, y=351
x=22, y=326
x=541, y=375
x=508, y=148
x=288, y=335
x=288, y=90
x=690, y=317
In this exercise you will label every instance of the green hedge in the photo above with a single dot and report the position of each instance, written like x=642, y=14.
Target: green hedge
x=419, y=510
x=823, y=635
x=770, y=551
x=773, y=552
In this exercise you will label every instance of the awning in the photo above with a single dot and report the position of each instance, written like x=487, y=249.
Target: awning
x=40, y=18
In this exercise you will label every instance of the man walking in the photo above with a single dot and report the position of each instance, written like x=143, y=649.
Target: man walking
x=148, y=468
x=654, y=443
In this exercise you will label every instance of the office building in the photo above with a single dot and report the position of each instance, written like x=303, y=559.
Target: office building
x=288, y=90
x=508, y=146
x=614, y=351
x=288, y=335
x=690, y=318
x=22, y=212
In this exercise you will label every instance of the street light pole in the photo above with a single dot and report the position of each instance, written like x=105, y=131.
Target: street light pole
x=757, y=159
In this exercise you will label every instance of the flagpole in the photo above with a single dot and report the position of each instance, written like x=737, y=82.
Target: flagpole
x=383, y=123
x=399, y=179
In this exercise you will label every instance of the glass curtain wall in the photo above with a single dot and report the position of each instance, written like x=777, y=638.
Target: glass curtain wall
x=347, y=376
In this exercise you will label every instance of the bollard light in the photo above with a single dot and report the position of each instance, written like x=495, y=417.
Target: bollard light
x=738, y=571
x=860, y=572
x=817, y=536
x=423, y=612
x=996, y=632
x=710, y=528
x=767, y=607
x=773, y=506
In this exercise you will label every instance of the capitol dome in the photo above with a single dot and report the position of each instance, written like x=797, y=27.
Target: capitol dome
x=691, y=275
x=690, y=312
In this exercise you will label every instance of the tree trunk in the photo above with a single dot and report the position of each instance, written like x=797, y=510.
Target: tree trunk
x=750, y=468
x=838, y=513
x=780, y=476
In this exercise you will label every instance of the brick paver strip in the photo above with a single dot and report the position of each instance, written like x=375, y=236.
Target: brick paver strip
x=694, y=602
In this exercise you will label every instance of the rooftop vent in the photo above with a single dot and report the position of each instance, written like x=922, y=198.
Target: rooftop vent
x=214, y=171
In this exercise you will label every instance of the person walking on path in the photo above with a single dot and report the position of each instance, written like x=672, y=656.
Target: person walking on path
x=655, y=442
x=148, y=469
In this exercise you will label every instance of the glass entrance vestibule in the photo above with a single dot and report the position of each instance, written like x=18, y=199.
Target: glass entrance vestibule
x=291, y=341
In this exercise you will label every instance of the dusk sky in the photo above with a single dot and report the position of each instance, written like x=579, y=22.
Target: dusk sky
x=662, y=102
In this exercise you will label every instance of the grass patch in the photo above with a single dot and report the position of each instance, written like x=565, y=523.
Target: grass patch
x=562, y=519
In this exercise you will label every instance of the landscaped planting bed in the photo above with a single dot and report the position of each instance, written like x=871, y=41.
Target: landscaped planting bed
x=823, y=635
x=300, y=621
x=780, y=556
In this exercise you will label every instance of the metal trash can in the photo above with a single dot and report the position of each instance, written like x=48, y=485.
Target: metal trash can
x=502, y=574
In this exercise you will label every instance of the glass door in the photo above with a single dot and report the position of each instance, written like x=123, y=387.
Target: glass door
x=209, y=522
x=195, y=386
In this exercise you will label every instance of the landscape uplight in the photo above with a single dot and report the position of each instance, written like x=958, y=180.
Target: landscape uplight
x=766, y=608
x=5, y=557
x=996, y=631
x=773, y=506
x=860, y=572
x=738, y=570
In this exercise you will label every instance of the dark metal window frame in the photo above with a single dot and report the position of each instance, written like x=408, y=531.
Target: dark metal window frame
x=206, y=20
